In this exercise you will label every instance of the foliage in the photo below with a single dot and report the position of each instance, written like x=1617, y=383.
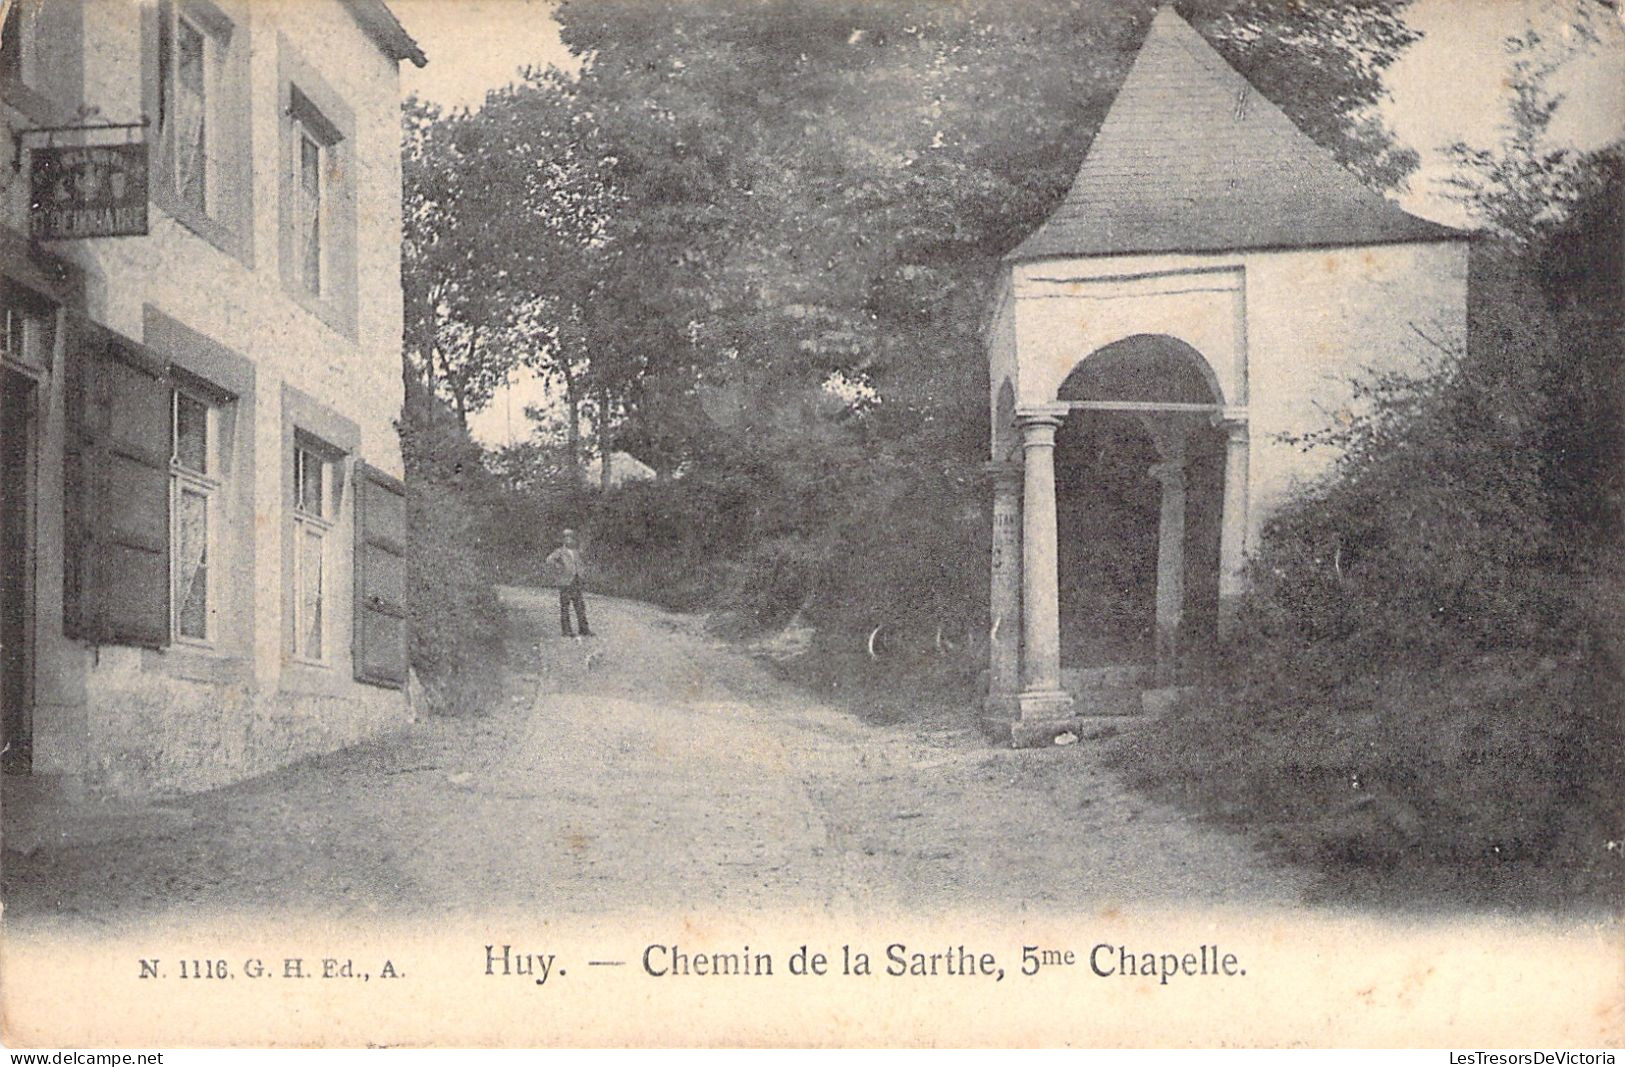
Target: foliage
x=455, y=620
x=1425, y=688
x=772, y=242
x=1430, y=532
x=500, y=206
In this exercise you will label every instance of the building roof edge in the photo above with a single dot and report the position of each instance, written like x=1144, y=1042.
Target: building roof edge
x=380, y=23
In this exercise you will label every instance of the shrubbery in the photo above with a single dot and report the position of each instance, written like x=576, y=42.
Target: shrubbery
x=455, y=619
x=1425, y=684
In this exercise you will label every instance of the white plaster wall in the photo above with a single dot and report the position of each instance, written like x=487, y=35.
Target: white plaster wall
x=1284, y=332
x=1068, y=309
x=135, y=720
x=1317, y=319
x=1001, y=356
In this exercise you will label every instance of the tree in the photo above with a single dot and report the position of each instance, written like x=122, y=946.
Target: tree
x=825, y=189
x=502, y=204
x=805, y=210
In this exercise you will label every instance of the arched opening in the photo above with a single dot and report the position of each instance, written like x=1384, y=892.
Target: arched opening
x=1005, y=439
x=1114, y=457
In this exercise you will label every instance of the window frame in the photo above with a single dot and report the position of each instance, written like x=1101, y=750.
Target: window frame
x=312, y=109
x=225, y=216
x=209, y=59
x=304, y=133
x=210, y=485
x=320, y=524
x=37, y=323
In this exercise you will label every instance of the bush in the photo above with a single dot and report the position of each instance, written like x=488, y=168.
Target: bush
x=455, y=619
x=1424, y=689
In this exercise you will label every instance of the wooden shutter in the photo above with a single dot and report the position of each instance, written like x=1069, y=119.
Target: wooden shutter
x=116, y=578
x=379, y=646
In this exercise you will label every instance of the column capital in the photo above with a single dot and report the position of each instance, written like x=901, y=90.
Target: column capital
x=1171, y=473
x=1003, y=472
x=1232, y=420
x=1041, y=414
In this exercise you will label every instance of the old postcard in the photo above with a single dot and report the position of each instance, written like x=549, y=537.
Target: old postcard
x=1071, y=523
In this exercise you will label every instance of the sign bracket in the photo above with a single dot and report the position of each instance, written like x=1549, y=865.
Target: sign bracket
x=84, y=125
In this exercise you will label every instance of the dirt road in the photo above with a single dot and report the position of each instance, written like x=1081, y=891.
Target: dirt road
x=652, y=767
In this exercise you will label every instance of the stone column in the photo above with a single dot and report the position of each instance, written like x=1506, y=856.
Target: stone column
x=1169, y=432
x=1170, y=561
x=1233, y=525
x=1004, y=598
x=1041, y=693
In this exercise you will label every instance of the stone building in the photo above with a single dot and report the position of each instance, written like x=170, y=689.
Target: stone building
x=203, y=518
x=1209, y=287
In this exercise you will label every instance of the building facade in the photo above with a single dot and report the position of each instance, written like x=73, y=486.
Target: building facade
x=203, y=513
x=1211, y=287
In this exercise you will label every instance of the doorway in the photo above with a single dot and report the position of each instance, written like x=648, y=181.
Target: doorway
x=16, y=569
x=1139, y=472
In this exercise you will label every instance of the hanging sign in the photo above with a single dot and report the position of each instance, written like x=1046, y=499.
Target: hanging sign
x=88, y=191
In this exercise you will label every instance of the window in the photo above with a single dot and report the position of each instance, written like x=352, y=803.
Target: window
x=196, y=74
x=19, y=61
x=195, y=42
x=316, y=231
x=29, y=331
x=190, y=110
x=308, y=207
x=313, y=170
x=314, y=508
x=194, y=500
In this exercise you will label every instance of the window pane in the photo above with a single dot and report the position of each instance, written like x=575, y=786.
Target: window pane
x=191, y=146
x=308, y=477
x=17, y=332
x=192, y=565
x=29, y=334
x=310, y=593
x=310, y=212
x=191, y=433
x=11, y=49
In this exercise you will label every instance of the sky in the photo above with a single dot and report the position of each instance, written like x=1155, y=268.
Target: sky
x=1448, y=87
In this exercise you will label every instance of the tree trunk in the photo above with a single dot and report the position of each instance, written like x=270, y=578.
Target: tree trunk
x=606, y=478
x=460, y=403
x=572, y=429
x=459, y=394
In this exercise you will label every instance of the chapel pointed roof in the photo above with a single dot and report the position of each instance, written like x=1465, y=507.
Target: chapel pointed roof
x=1192, y=158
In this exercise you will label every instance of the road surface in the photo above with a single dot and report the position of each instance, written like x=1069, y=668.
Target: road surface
x=654, y=767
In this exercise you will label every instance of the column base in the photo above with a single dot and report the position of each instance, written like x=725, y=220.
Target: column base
x=999, y=710
x=1044, y=703
x=1229, y=615
x=1044, y=717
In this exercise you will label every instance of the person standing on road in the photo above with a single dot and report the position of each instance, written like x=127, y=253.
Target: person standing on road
x=564, y=563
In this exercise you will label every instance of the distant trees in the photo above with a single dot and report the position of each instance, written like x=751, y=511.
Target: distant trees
x=746, y=203
x=753, y=241
x=503, y=206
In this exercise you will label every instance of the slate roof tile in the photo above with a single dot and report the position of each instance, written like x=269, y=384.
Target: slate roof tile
x=1192, y=158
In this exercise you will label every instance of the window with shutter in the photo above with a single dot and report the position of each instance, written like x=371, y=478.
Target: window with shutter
x=116, y=579
x=380, y=578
